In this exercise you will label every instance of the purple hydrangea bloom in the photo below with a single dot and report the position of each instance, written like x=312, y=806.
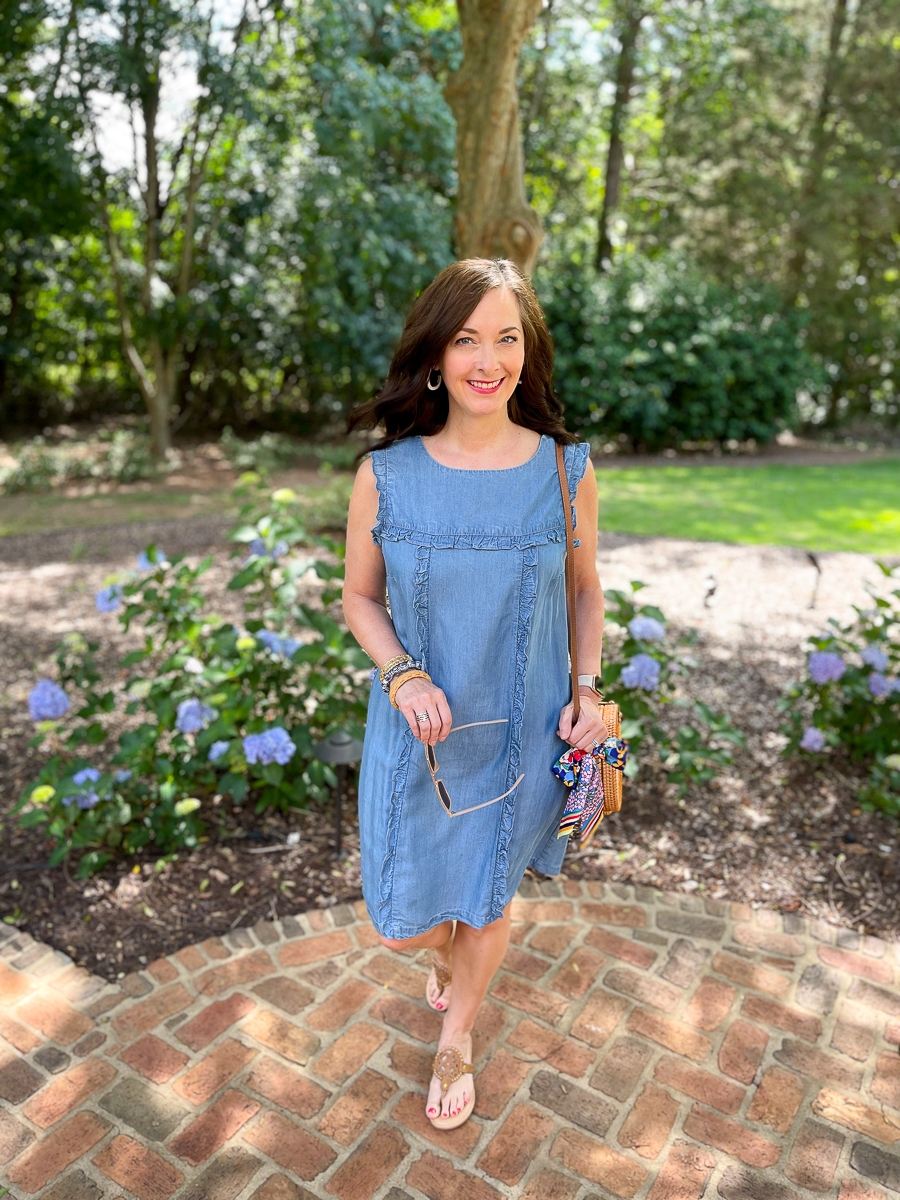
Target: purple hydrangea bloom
x=880, y=685
x=875, y=658
x=646, y=629
x=144, y=563
x=825, y=666
x=47, y=701
x=193, y=715
x=123, y=776
x=217, y=749
x=372, y=674
x=813, y=739
x=258, y=547
x=109, y=598
x=88, y=796
x=642, y=671
x=271, y=746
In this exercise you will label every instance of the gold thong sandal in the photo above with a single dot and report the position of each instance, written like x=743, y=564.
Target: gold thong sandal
x=444, y=976
x=449, y=1065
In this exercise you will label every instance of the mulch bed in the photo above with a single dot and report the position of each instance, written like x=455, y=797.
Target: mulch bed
x=767, y=831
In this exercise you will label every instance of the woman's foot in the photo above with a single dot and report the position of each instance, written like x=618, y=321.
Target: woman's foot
x=458, y=1100
x=437, y=989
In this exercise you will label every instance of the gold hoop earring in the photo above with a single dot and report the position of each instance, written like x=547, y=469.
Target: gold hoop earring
x=433, y=387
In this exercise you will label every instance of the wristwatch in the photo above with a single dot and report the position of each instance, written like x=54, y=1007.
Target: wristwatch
x=591, y=681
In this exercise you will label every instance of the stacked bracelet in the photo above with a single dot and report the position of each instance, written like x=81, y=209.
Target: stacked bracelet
x=402, y=678
x=405, y=664
x=393, y=662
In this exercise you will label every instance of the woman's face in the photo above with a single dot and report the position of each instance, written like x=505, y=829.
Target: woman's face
x=482, y=364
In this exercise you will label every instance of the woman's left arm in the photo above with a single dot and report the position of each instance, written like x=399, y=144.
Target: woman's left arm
x=589, y=617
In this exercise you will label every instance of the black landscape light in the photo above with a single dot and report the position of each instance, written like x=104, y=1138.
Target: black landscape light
x=339, y=749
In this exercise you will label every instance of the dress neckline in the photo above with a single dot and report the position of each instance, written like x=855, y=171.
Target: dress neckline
x=481, y=470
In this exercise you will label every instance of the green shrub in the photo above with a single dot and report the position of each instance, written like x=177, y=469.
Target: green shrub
x=118, y=456
x=849, y=703
x=655, y=356
x=227, y=714
x=267, y=453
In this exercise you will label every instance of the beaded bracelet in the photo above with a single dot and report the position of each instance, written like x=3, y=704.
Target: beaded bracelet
x=392, y=662
x=398, y=669
x=401, y=679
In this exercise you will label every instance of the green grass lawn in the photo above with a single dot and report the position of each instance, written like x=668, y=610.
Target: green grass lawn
x=850, y=506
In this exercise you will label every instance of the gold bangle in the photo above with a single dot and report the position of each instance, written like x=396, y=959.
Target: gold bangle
x=391, y=662
x=407, y=675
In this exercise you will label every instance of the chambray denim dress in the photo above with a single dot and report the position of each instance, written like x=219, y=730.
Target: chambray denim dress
x=475, y=581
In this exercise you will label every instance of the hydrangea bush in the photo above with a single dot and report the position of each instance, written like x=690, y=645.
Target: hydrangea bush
x=643, y=677
x=848, y=705
x=226, y=714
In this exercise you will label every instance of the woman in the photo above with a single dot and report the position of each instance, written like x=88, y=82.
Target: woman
x=458, y=514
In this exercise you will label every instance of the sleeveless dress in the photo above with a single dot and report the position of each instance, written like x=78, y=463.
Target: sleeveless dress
x=476, y=589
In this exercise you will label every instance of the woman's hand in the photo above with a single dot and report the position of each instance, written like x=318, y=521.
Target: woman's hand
x=419, y=696
x=590, y=725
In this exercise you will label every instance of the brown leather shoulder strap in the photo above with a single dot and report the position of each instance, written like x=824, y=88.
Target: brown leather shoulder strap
x=570, y=575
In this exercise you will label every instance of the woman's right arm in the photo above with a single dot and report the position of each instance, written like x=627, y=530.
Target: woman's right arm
x=365, y=609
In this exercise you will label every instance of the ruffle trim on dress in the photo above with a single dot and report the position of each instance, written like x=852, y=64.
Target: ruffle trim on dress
x=527, y=593
x=420, y=600
x=398, y=789
x=575, y=457
x=386, y=531
x=378, y=459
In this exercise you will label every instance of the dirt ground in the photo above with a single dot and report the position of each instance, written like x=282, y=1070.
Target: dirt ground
x=768, y=831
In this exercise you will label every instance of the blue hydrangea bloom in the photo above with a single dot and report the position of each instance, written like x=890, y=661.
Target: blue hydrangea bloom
x=277, y=643
x=875, y=658
x=217, y=749
x=825, y=666
x=109, y=598
x=271, y=746
x=88, y=796
x=813, y=739
x=123, y=776
x=641, y=671
x=47, y=701
x=880, y=685
x=192, y=715
x=258, y=547
x=144, y=563
x=646, y=629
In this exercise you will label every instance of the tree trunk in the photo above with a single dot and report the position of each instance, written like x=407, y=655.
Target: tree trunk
x=159, y=400
x=628, y=35
x=493, y=216
x=819, y=146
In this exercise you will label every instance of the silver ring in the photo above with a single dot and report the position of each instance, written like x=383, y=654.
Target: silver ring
x=422, y=716
x=595, y=743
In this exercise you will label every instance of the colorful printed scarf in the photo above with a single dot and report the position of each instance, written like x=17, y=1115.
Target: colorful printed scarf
x=580, y=771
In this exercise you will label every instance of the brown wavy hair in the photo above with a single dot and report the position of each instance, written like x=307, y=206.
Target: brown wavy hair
x=405, y=407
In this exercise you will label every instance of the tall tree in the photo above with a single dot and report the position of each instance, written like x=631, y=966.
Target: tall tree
x=493, y=216
x=629, y=17
x=131, y=50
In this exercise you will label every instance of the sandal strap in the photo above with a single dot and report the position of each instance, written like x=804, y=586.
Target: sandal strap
x=442, y=974
x=449, y=1065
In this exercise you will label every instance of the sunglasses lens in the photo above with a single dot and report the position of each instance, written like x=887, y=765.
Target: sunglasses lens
x=442, y=792
x=429, y=754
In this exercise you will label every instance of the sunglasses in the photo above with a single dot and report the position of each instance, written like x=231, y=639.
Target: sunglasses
x=441, y=788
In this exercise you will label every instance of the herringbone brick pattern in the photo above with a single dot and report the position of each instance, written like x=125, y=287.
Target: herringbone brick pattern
x=635, y=1044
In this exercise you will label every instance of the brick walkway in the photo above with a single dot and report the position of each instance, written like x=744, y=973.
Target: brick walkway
x=635, y=1044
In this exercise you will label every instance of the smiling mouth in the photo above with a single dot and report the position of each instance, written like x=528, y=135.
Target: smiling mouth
x=485, y=385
